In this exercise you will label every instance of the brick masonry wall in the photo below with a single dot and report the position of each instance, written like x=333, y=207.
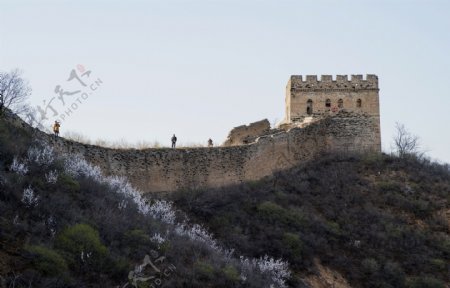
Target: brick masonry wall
x=166, y=170
x=348, y=129
x=299, y=91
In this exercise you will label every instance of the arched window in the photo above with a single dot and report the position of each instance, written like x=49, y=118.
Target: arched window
x=328, y=103
x=309, y=107
x=341, y=103
x=358, y=103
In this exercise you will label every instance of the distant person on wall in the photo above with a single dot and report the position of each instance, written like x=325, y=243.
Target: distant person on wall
x=56, y=128
x=174, y=140
x=210, y=143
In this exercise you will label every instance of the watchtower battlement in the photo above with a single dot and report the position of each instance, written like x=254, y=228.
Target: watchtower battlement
x=308, y=97
x=326, y=82
x=346, y=120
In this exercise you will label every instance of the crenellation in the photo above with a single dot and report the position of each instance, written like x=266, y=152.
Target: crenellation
x=296, y=78
x=311, y=78
x=341, y=78
x=357, y=78
x=330, y=121
x=372, y=80
x=326, y=82
x=310, y=100
x=326, y=78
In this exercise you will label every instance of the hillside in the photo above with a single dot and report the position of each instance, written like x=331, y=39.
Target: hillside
x=336, y=221
x=64, y=224
x=349, y=220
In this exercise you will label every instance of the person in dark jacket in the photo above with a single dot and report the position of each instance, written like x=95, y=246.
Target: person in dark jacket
x=174, y=141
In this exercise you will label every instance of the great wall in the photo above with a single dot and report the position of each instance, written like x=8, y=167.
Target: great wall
x=321, y=116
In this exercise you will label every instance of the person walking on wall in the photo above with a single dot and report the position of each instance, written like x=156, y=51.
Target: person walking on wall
x=56, y=128
x=210, y=143
x=174, y=141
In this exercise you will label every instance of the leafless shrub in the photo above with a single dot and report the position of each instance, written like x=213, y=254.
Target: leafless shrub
x=19, y=167
x=51, y=176
x=41, y=156
x=29, y=198
x=14, y=91
x=406, y=143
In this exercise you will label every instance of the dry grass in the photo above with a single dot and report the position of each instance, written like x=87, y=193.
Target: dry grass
x=123, y=143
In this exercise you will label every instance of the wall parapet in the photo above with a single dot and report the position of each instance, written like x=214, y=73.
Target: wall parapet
x=167, y=170
x=268, y=150
x=326, y=82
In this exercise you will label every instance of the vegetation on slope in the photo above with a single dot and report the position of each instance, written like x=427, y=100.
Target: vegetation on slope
x=63, y=224
x=381, y=221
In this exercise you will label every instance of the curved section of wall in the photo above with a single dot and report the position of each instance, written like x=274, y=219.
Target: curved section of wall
x=165, y=170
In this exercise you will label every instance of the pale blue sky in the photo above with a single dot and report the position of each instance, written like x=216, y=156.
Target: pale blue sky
x=199, y=68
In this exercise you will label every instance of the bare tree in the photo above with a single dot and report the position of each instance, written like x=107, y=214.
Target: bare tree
x=14, y=91
x=405, y=143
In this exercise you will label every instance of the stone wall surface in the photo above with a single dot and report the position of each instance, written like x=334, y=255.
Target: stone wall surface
x=246, y=134
x=166, y=170
x=309, y=99
x=357, y=95
x=344, y=129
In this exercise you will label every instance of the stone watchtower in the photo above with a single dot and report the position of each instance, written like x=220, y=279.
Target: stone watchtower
x=336, y=116
x=309, y=99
